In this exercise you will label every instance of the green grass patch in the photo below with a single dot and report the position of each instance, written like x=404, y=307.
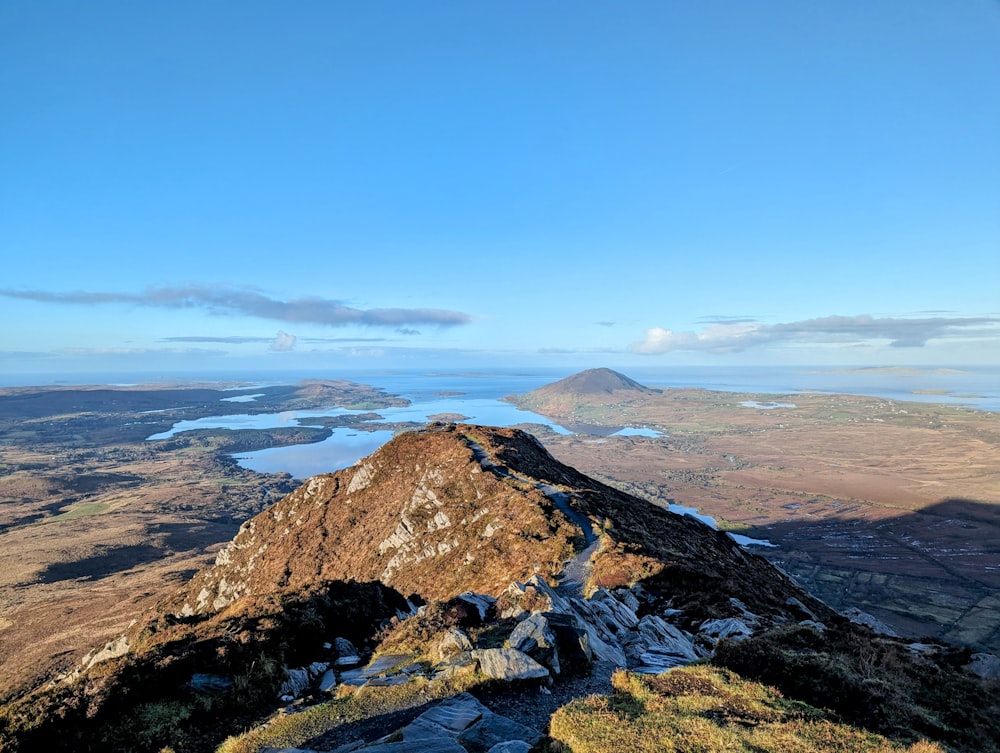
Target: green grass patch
x=704, y=708
x=83, y=510
x=732, y=526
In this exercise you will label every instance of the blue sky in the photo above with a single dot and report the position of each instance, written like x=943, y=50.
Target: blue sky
x=320, y=185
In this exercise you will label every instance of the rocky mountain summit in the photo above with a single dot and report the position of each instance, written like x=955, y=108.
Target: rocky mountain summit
x=460, y=588
x=456, y=508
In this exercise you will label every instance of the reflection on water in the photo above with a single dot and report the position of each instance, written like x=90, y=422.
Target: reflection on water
x=486, y=411
x=255, y=421
x=631, y=431
x=708, y=520
x=242, y=398
x=344, y=448
x=766, y=406
x=348, y=445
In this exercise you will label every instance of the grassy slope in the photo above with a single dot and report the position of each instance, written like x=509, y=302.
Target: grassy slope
x=703, y=708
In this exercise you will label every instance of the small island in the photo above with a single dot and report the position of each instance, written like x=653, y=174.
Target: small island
x=448, y=417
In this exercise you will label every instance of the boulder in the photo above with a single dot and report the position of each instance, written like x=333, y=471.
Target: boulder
x=459, y=664
x=556, y=641
x=659, y=646
x=522, y=599
x=113, y=650
x=986, y=666
x=819, y=627
x=534, y=637
x=387, y=681
x=483, y=603
x=572, y=642
x=656, y=661
x=430, y=745
x=347, y=654
x=298, y=680
x=511, y=746
x=328, y=682
x=455, y=641
x=858, y=617
x=317, y=668
x=729, y=627
x=795, y=604
x=456, y=714
x=509, y=664
x=386, y=664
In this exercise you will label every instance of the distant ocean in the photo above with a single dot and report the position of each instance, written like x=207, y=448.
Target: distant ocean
x=477, y=395
x=974, y=387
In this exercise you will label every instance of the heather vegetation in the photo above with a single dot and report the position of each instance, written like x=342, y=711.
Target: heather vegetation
x=903, y=690
x=704, y=708
x=384, y=555
x=147, y=699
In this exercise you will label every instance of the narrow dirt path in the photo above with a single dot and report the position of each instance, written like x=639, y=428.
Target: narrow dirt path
x=577, y=570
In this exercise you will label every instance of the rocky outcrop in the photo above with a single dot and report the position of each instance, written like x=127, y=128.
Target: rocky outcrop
x=986, y=666
x=508, y=664
x=459, y=724
x=856, y=616
x=422, y=515
x=461, y=508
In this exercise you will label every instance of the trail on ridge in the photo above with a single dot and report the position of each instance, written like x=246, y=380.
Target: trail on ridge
x=576, y=571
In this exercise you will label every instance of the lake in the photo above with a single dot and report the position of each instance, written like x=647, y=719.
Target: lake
x=477, y=395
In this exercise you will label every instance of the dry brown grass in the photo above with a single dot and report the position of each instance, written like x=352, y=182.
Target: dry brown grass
x=702, y=708
x=844, y=483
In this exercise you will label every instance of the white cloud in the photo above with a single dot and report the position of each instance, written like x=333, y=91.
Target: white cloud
x=283, y=342
x=900, y=332
x=714, y=337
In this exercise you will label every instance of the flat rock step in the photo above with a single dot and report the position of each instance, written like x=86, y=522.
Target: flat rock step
x=456, y=725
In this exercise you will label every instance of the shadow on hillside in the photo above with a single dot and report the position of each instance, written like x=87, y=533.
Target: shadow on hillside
x=931, y=572
x=368, y=730
x=97, y=566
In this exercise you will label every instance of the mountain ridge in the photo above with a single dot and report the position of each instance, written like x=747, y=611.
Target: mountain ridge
x=459, y=507
x=443, y=556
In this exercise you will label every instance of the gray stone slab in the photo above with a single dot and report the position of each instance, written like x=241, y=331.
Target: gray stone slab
x=328, y=682
x=509, y=664
x=493, y=729
x=387, y=681
x=386, y=664
x=424, y=729
x=510, y=746
x=430, y=745
x=353, y=677
x=457, y=713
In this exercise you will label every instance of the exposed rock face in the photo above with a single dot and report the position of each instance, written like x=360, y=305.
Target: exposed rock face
x=465, y=721
x=509, y=664
x=460, y=508
x=986, y=666
x=483, y=522
x=863, y=618
x=421, y=514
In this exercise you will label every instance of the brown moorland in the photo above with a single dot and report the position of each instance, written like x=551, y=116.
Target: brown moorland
x=96, y=521
x=889, y=506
